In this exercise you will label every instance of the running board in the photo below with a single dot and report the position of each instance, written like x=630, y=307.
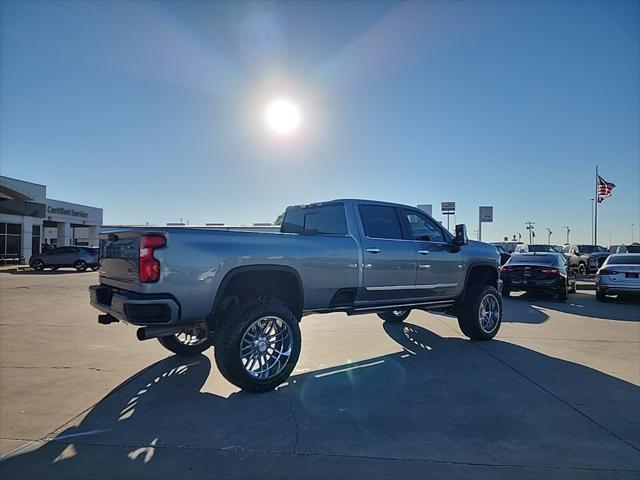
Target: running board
x=435, y=305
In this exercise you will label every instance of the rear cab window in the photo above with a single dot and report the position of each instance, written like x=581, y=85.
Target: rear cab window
x=325, y=219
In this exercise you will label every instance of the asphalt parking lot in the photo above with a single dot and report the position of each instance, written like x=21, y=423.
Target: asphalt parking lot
x=555, y=395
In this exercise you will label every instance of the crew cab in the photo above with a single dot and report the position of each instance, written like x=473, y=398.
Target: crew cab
x=246, y=292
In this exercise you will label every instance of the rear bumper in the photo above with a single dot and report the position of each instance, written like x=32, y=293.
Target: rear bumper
x=526, y=285
x=135, y=308
x=618, y=289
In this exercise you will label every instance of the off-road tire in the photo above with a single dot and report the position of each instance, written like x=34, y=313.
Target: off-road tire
x=582, y=269
x=391, y=317
x=469, y=312
x=229, y=336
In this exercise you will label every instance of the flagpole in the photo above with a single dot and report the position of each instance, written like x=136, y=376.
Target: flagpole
x=595, y=221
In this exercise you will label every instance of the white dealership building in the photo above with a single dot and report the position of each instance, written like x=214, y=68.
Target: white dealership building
x=28, y=219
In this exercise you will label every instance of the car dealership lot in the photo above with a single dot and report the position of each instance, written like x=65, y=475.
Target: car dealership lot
x=555, y=395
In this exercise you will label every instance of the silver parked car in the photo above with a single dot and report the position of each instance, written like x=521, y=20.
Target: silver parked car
x=619, y=275
x=77, y=257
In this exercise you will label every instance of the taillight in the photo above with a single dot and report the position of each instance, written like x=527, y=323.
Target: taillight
x=149, y=265
x=552, y=271
x=607, y=272
x=505, y=269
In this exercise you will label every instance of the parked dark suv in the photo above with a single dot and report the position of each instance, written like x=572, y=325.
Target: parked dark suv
x=77, y=257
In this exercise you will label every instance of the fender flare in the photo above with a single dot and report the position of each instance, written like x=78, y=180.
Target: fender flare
x=255, y=268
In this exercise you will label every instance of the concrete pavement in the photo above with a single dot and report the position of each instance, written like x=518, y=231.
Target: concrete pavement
x=555, y=395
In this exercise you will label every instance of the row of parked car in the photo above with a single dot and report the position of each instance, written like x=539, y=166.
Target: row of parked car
x=586, y=258
x=546, y=268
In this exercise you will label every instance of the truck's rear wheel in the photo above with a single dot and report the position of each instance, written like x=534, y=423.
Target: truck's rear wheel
x=187, y=342
x=394, y=316
x=481, y=314
x=258, y=345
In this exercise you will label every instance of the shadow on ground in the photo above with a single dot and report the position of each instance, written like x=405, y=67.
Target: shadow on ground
x=439, y=406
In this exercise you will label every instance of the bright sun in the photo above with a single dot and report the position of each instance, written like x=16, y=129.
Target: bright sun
x=283, y=117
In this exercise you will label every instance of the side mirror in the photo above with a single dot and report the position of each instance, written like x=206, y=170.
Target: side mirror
x=461, y=235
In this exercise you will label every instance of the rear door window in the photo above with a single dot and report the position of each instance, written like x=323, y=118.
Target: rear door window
x=380, y=222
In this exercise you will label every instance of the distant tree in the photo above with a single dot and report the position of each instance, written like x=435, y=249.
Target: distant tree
x=279, y=219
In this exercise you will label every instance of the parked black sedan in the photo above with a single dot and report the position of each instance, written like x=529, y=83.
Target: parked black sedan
x=542, y=272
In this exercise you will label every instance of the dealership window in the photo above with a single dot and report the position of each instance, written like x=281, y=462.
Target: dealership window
x=35, y=240
x=10, y=238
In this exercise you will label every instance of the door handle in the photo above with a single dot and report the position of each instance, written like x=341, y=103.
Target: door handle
x=423, y=252
x=373, y=250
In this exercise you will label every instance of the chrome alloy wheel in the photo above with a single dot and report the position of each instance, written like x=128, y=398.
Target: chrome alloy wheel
x=489, y=313
x=192, y=337
x=265, y=347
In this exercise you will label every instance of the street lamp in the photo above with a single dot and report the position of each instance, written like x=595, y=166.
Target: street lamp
x=568, y=230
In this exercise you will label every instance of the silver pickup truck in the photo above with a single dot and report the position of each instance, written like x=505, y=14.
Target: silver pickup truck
x=246, y=292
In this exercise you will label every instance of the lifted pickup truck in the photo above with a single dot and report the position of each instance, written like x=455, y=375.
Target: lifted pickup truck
x=246, y=292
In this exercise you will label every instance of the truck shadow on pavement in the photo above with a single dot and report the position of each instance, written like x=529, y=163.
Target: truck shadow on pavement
x=448, y=405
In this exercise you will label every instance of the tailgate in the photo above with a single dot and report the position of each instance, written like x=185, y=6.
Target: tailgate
x=120, y=256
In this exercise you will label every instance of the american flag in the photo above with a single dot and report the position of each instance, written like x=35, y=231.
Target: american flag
x=604, y=189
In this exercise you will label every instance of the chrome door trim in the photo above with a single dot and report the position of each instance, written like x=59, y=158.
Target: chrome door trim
x=413, y=287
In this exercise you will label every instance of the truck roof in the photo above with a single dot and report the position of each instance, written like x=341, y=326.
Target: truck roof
x=350, y=200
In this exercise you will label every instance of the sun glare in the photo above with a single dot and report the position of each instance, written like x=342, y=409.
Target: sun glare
x=283, y=117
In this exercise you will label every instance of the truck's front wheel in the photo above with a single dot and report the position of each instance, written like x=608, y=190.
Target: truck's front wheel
x=258, y=345
x=481, y=314
x=187, y=343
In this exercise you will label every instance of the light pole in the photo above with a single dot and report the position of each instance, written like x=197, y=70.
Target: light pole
x=632, y=232
x=568, y=230
x=592, y=221
x=530, y=227
x=549, y=232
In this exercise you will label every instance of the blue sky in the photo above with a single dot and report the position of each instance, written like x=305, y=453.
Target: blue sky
x=153, y=111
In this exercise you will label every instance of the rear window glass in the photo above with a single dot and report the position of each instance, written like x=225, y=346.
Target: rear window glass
x=591, y=248
x=541, y=248
x=380, y=222
x=324, y=220
x=624, y=260
x=535, y=259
